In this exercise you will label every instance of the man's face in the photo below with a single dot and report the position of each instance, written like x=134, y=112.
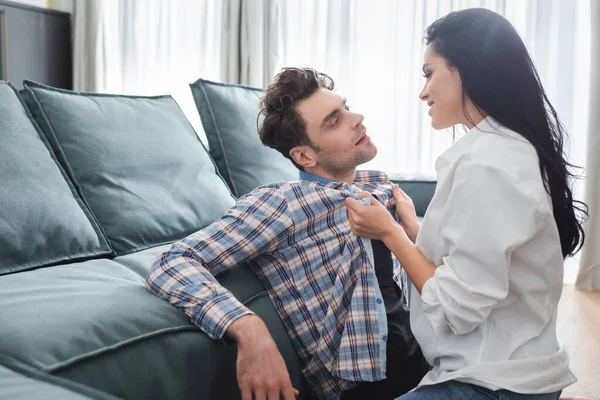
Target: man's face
x=339, y=139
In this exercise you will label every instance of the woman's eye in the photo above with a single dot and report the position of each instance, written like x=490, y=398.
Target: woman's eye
x=426, y=75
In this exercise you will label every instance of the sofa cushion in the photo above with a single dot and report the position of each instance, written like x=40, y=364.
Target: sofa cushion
x=96, y=324
x=43, y=221
x=20, y=382
x=136, y=162
x=229, y=118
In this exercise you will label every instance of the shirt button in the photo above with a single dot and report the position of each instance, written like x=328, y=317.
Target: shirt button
x=378, y=301
x=384, y=338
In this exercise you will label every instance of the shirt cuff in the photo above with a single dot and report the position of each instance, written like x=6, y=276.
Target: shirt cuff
x=218, y=314
x=433, y=308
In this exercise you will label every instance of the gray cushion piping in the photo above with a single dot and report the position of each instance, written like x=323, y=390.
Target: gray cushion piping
x=82, y=357
x=32, y=373
x=117, y=346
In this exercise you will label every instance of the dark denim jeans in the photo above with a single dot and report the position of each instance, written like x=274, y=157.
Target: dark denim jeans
x=465, y=391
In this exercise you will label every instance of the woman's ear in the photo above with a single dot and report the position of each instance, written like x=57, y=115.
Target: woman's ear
x=304, y=156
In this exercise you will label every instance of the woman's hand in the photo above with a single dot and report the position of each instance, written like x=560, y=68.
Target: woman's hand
x=405, y=209
x=373, y=222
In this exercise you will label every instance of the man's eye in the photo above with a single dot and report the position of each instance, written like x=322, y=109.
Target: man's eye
x=334, y=122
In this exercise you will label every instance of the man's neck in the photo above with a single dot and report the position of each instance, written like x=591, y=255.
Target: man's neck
x=347, y=177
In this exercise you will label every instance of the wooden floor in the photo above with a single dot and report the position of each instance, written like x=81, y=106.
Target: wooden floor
x=579, y=330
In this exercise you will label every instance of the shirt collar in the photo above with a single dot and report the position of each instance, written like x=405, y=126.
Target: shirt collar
x=363, y=177
x=464, y=144
x=306, y=176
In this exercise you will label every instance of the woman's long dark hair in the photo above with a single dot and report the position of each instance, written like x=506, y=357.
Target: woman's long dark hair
x=499, y=77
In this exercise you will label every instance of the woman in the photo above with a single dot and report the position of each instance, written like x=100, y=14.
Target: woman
x=487, y=263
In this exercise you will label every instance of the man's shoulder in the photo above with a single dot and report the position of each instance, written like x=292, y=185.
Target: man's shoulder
x=278, y=191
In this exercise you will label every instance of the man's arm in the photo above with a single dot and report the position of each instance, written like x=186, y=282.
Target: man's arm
x=185, y=277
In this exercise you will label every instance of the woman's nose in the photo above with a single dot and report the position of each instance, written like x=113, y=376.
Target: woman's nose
x=424, y=95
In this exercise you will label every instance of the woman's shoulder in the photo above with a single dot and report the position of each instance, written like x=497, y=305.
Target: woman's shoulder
x=503, y=149
x=507, y=155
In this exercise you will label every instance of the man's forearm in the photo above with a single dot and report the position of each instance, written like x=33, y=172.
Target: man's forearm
x=247, y=330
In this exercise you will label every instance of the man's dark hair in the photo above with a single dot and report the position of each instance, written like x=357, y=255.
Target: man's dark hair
x=283, y=128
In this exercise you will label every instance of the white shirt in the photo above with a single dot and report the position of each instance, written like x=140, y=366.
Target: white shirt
x=488, y=315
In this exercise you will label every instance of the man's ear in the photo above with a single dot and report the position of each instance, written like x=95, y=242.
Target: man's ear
x=304, y=156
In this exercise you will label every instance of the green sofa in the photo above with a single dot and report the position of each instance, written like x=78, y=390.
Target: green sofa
x=94, y=187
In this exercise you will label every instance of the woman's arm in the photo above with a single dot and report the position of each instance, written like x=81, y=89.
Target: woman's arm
x=418, y=268
x=377, y=223
x=405, y=210
x=488, y=214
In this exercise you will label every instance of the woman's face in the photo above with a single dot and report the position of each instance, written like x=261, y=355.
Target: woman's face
x=443, y=94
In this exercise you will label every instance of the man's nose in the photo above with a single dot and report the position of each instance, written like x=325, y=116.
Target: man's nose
x=359, y=119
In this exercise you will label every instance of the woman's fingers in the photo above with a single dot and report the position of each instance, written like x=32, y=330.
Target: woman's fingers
x=351, y=203
x=404, y=195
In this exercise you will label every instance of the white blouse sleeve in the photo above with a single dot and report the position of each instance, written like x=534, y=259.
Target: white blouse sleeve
x=486, y=217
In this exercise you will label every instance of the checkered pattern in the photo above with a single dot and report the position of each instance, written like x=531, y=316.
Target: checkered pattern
x=297, y=239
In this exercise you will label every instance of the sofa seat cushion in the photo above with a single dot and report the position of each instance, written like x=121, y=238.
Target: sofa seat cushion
x=19, y=382
x=43, y=221
x=96, y=324
x=229, y=118
x=136, y=161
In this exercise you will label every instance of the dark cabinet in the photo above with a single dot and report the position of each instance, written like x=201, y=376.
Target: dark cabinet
x=35, y=44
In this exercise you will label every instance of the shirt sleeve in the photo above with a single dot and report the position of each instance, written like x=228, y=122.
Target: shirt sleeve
x=185, y=275
x=486, y=217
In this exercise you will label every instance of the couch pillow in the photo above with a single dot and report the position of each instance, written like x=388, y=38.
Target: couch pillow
x=136, y=161
x=43, y=221
x=229, y=115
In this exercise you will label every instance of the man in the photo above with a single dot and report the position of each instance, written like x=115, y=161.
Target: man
x=339, y=296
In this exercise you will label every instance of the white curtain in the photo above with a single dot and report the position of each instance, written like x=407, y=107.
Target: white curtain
x=148, y=47
x=589, y=272
x=251, y=43
x=87, y=56
x=374, y=52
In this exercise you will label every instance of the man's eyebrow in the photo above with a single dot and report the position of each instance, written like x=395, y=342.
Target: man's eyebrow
x=332, y=114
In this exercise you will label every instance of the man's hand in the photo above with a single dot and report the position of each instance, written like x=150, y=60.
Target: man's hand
x=261, y=371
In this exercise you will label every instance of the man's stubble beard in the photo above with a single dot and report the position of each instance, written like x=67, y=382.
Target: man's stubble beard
x=337, y=168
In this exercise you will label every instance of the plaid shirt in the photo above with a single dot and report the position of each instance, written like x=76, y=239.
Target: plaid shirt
x=297, y=239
